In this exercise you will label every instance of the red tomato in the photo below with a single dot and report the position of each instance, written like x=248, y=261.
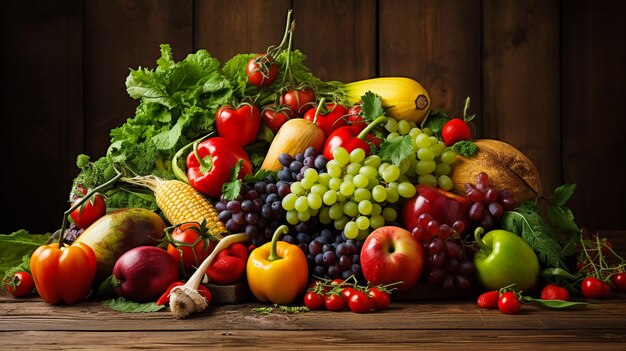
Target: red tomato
x=509, y=303
x=359, y=302
x=190, y=244
x=19, y=284
x=298, y=100
x=313, y=300
x=262, y=70
x=455, y=130
x=619, y=282
x=594, y=288
x=489, y=299
x=331, y=120
x=89, y=212
x=347, y=292
x=274, y=118
x=380, y=299
x=354, y=116
x=206, y=293
x=554, y=292
x=335, y=302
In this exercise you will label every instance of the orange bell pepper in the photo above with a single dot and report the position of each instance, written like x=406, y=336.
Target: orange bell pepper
x=277, y=272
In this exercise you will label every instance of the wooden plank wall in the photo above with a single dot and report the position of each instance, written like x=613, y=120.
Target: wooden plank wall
x=546, y=76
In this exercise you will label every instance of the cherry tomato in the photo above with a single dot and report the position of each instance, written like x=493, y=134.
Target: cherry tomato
x=380, y=299
x=509, y=303
x=489, y=299
x=594, y=288
x=347, y=292
x=206, y=293
x=335, y=302
x=313, y=300
x=19, y=284
x=554, y=292
x=337, y=281
x=329, y=121
x=354, y=116
x=191, y=244
x=274, y=118
x=298, y=100
x=619, y=281
x=455, y=130
x=89, y=212
x=262, y=70
x=359, y=302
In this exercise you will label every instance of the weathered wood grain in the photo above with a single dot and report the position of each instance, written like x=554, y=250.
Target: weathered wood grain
x=120, y=35
x=521, y=81
x=594, y=82
x=436, y=43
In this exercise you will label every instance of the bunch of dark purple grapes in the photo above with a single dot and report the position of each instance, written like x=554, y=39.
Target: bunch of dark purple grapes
x=294, y=167
x=488, y=202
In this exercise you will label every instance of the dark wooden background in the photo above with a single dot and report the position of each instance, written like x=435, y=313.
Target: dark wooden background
x=546, y=76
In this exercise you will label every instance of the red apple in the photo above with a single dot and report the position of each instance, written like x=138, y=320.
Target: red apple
x=391, y=254
x=442, y=205
x=144, y=273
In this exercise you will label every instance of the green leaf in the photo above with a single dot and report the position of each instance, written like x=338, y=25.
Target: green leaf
x=396, y=150
x=558, y=272
x=372, y=106
x=166, y=61
x=562, y=218
x=260, y=175
x=122, y=305
x=231, y=189
x=17, y=245
x=435, y=120
x=562, y=194
x=554, y=304
x=531, y=227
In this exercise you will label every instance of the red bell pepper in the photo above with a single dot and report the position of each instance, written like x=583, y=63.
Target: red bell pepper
x=240, y=124
x=335, y=118
x=229, y=264
x=210, y=163
x=202, y=290
x=350, y=138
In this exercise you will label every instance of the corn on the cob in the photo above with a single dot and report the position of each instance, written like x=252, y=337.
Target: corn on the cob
x=181, y=203
x=403, y=98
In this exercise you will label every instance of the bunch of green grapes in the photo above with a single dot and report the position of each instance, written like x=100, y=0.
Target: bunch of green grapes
x=430, y=162
x=356, y=194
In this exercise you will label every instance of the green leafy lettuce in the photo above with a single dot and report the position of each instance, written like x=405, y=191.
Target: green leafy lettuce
x=16, y=249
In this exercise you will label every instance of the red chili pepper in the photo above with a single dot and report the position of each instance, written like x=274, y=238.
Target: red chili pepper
x=350, y=138
x=229, y=264
x=240, y=124
x=217, y=157
x=202, y=290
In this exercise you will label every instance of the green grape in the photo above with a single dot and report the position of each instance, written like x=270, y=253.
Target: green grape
x=393, y=136
x=425, y=167
x=425, y=154
x=307, y=183
x=412, y=125
x=363, y=234
x=334, y=171
x=361, y=194
x=319, y=189
x=302, y=204
x=313, y=211
x=362, y=222
x=296, y=188
x=428, y=131
x=334, y=183
x=311, y=173
x=332, y=163
x=391, y=125
x=377, y=221
x=348, y=177
x=404, y=165
x=350, y=209
x=324, y=215
x=434, y=140
x=368, y=171
x=289, y=202
x=379, y=193
x=372, y=183
x=329, y=197
x=382, y=167
x=448, y=157
x=360, y=181
x=315, y=201
x=392, y=194
x=357, y=155
x=351, y=230
x=304, y=216
x=389, y=214
x=341, y=223
x=422, y=140
x=406, y=190
x=346, y=188
x=445, y=182
x=353, y=168
x=376, y=210
x=365, y=207
x=341, y=197
x=403, y=127
x=341, y=156
x=391, y=173
x=414, y=132
x=323, y=179
x=292, y=217
x=402, y=178
x=372, y=161
x=427, y=179
x=442, y=169
x=335, y=211
x=438, y=148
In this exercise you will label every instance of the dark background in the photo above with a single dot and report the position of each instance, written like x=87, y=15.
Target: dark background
x=546, y=76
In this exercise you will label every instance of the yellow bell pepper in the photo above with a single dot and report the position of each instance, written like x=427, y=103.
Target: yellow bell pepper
x=277, y=272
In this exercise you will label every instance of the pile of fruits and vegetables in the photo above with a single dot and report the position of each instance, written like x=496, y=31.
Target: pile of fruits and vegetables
x=324, y=194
